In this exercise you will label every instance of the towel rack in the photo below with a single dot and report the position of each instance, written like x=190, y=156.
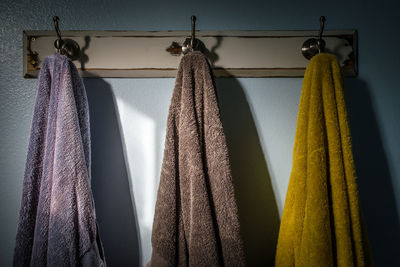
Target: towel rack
x=157, y=53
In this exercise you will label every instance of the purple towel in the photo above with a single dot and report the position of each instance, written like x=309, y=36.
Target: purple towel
x=57, y=224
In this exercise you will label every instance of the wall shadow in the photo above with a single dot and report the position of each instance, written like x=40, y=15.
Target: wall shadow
x=374, y=178
x=110, y=181
x=258, y=211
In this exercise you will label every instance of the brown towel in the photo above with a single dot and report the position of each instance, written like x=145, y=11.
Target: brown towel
x=196, y=217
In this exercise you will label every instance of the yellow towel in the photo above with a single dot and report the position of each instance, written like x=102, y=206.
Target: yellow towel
x=321, y=218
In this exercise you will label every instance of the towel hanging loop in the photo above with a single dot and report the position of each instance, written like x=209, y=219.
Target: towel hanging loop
x=314, y=46
x=67, y=47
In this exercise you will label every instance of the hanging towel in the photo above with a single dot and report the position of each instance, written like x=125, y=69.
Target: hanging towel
x=321, y=218
x=196, y=216
x=57, y=223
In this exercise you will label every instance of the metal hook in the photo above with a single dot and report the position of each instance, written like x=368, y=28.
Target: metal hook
x=67, y=47
x=322, y=20
x=313, y=46
x=59, y=42
x=321, y=43
x=191, y=43
x=193, y=18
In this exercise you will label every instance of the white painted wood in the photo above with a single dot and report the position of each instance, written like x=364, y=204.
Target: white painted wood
x=233, y=53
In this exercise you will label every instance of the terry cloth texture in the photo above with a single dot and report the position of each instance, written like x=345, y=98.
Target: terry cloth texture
x=57, y=223
x=196, y=219
x=321, y=223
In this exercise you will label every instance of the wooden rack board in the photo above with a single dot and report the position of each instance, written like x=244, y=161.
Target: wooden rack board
x=232, y=53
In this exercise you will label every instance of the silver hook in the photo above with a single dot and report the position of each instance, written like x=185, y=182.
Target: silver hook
x=67, y=47
x=321, y=43
x=193, y=18
x=314, y=46
x=59, y=42
x=191, y=43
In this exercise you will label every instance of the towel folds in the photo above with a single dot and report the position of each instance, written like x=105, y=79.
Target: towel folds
x=196, y=217
x=321, y=223
x=57, y=223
